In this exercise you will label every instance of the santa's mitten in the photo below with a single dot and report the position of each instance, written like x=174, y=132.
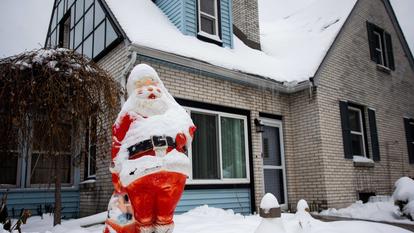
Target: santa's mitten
x=180, y=142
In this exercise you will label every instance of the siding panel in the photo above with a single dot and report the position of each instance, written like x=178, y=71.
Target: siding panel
x=32, y=199
x=173, y=10
x=236, y=199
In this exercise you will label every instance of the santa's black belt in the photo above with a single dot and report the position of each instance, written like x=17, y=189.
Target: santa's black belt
x=154, y=143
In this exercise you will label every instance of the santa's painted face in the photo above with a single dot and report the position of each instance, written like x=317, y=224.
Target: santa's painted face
x=147, y=88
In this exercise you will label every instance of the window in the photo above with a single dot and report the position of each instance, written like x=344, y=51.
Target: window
x=219, y=152
x=90, y=144
x=82, y=25
x=380, y=46
x=354, y=131
x=409, y=134
x=357, y=131
x=64, y=30
x=25, y=159
x=208, y=19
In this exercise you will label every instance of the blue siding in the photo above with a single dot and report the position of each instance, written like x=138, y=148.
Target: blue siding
x=173, y=10
x=190, y=17
x=238, y=200
x=183, y=14
x=226, y=23
x=31, y=199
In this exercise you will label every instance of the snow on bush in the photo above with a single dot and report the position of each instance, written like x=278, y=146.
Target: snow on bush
x=404, y=196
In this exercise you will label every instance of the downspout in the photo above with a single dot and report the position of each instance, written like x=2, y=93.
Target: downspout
x=124, y=75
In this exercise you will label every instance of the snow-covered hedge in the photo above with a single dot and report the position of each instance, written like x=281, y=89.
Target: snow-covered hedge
x=404, y=196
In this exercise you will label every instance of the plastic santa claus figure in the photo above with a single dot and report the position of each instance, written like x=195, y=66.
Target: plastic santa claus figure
x=149, y=167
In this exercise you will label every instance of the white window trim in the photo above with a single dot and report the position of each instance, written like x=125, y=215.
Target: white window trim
x=278, y=124
x=222, y=180
x=214, y=17
x=361, y=133
x=383, y=51
x=88, y=167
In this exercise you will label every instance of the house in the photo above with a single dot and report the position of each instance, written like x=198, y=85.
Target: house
x=318, y=105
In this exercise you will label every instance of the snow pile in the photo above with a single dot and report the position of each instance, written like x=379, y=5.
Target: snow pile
x=269, y=201
x=404, y=192
x=206, y=219
x=362, y=159
x=377, y=211
x=300, y=40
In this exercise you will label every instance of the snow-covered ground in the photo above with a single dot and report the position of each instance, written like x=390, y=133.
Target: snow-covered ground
x=381, y=208
x=376, y=211
x=206, y=219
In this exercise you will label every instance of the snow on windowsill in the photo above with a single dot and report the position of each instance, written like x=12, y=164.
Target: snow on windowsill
x=383, y=69
x=361, y=161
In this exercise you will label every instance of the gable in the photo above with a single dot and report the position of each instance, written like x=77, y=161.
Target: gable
x=82, y=25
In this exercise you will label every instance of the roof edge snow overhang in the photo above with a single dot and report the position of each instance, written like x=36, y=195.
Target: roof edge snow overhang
x=220, y=72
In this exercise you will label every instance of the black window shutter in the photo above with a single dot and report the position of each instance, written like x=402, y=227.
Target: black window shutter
x=346, y=130
x=374, y=135
x=390, y=55
x=370, y=29
x=409, y=136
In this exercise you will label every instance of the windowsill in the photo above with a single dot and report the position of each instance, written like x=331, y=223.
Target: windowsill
x=212, y=37
x=209, y=38
x=360, y=161
x=383, y=69
x=87, y=185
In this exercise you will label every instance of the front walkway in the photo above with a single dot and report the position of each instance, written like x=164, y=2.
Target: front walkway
x=409, y=227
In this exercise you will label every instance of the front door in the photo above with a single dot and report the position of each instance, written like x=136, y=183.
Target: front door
x=273, y=159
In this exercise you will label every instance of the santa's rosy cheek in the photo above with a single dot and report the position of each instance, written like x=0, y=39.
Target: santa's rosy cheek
x=159, y=90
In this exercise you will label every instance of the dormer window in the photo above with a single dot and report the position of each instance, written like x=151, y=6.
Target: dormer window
x=209, y=20
x=380, y=46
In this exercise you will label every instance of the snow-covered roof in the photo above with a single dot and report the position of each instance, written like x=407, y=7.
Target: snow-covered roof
x=293, y=47
x=300, y=36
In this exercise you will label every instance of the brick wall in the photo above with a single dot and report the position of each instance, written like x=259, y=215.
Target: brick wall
x=348, y=74
x=94, y=196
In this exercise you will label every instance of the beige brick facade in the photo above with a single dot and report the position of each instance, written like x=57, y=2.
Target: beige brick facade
x=348, y=74
x=315, y=165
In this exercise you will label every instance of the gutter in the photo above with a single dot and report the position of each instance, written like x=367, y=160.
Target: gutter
x=214, y=71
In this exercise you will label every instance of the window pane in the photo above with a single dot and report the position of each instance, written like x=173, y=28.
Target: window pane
x=99, y=43
x=79, y=9
x=9, y=155
x=357, y=144
x=8, y=167
x=110, y=33
x=233, y=148
x=377, y=40
x=99, y=13
x=205, y=156
x=354, y=120
x=79, y=49
x=43, y=169
x=88, y=23
x=87, y=46
x=53, y=39
x=274, y=183
x=271, y=146
x=70, y=2
x=207, y=6
x=78, y=33
x=60, y=10
x=72, y=32
x=88, y=3
x=207, y=25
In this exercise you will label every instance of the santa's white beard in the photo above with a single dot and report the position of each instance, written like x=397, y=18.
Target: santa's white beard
x=149, y=107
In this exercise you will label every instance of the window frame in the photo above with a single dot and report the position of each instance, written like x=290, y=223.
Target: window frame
x=362, y=133
x=25, y=147
x=219, y=114
x=217, y=21
x=381, y=38
x=88, y=145
x=376, y=33
x=29, y=156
